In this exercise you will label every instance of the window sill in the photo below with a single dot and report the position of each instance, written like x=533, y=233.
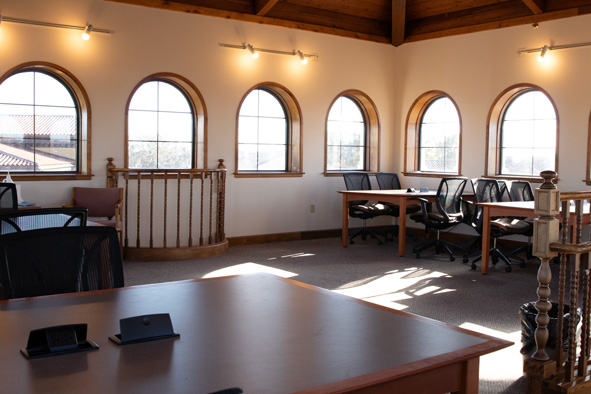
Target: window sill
x=431, y=174
x=49, y=177
x=268, y=174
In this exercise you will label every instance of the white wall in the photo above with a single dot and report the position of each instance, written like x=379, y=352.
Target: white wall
x=473, y=69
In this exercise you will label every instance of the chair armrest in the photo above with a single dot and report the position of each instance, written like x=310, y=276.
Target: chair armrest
x=424, y=207
x=70, y=204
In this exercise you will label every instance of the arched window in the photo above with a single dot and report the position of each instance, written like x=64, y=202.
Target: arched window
x=165, y=124
x=523, y=133
x=345, y=136
x=43, y=123
x=268, y=133
x=433, y=137
x=352, y=134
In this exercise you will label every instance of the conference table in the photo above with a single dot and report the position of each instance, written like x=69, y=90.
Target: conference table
x=398, y=197
x=259, y=332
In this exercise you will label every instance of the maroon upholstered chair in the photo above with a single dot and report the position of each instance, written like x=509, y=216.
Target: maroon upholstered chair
x=103, y=204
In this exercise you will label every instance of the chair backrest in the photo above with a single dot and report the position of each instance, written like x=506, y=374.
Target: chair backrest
x=449, y=196
x=100, y=201
x=60, y=260
x=485, y=190
x=388, y=181
x=33, y=219
x=357, y=181
x=521, y=191
x=8, y=197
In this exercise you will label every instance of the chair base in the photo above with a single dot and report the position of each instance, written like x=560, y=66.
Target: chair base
x=439, y=246
x=364, y=232
x=495, y=255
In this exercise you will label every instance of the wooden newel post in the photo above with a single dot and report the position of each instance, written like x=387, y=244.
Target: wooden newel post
x=111, y=177
x=546, y=232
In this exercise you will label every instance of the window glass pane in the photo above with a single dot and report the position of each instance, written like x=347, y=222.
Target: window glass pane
x=142, y=126
x=439, y=137
x=175, y=127
x=269, y=105
x=170, y=98
x=142, y=154
x=272, y=131
x=160, y=113
x=38, y=124
x=528, y=135
x=174, y=155
x=346, y=136
x=262, y=133
x=145, y=97
x=272, y=158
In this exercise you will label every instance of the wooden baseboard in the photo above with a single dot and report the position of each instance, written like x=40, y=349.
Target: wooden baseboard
x=317, y=234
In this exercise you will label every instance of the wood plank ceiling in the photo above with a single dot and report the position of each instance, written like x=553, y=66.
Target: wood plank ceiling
x=386, y=21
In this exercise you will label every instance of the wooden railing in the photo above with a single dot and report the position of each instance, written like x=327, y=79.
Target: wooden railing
x=186, y=205
x=567, y=371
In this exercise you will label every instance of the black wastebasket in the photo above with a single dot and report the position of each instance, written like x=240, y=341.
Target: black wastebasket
x=528, y=313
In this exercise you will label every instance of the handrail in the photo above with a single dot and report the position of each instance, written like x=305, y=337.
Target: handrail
x=155, y=197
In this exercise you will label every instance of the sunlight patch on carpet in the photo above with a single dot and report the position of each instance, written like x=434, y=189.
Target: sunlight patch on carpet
x=248, y=268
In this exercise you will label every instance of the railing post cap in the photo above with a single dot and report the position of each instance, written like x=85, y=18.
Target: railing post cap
x=548, y=176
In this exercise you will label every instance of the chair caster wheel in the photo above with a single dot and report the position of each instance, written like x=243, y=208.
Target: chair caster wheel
x=508, y=268
x=452, y=259
x=351, y=242
x=465, y=260
x=473, y=266
x=379, y=242
x=522, y=265
x=418, y=256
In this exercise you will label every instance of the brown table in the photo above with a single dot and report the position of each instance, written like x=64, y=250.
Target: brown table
x=259, y=332
x=509, y=208
x=398, y=197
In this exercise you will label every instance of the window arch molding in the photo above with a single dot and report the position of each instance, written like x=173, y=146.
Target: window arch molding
x=197, y=103
x=82, y=103
x=293, y=115
x=372, y=126
x=494, y=125
x=413, y=133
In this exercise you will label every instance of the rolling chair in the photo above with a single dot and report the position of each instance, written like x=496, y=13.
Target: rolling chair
x=362, y=209
x=522, y=191
x=488, y=190
x=447, y=214
x=33, y=219
x=60, y=260
x=390, y=181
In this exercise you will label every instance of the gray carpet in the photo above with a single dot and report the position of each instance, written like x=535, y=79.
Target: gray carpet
x=432, y=287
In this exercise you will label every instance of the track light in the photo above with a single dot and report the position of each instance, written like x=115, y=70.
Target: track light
x=301, y=56
x=86, y=29
x=541, y=55
x=86, y=33
x=253, y=53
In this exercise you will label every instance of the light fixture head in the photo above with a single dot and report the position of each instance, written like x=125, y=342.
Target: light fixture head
x=535, y=25
x=543, y=53
x=302, y=57
x=0, y=19
x=253, y=53
x=86, y=33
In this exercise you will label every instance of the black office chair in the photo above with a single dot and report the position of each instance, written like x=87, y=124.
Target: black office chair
x=447, y=214
x=60, y=260
x=390, y=181
x=8, y=197
x=488, y=190
x=33, y=219
x=363, y=209
x=522, y=191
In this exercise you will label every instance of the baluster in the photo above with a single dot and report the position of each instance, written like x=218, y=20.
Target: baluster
x=190, y=240
x=151, y=209
x=223, y=207
x=165, y=206
x=565, y=215
x=210, y=208
x=178, y=210
x=139, y=194
x=584, y=355
x=569, y=365
x=201, y=214
x=126, y=209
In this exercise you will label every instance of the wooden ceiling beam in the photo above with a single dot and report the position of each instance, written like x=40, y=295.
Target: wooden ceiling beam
x=398, y=21
x=536, y=6
x=264, y=6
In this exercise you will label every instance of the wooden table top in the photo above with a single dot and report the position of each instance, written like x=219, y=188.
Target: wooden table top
x=259, y=332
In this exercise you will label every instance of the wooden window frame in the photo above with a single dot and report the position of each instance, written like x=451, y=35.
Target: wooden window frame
x=198, y=108
x=372, y=131
x=413, y=134
x=294, y=133
x=82, y=104
x=493, y=132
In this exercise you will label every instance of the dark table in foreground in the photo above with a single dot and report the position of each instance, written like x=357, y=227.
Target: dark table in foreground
x=259, y=332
